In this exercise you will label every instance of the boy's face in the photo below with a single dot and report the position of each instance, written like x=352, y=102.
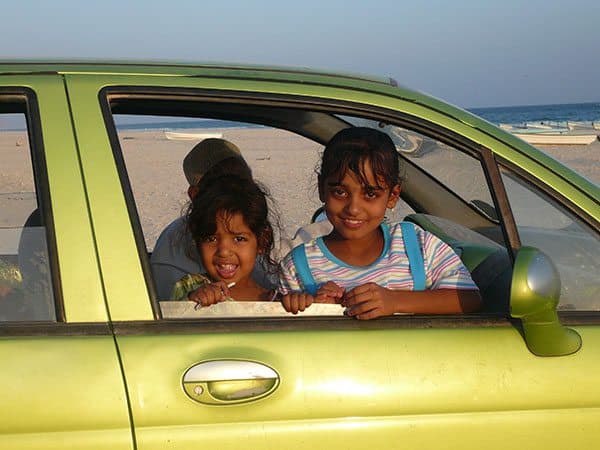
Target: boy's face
x=230, y=253
x=356, y=210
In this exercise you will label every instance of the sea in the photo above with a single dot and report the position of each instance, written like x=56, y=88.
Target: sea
x=585, y=113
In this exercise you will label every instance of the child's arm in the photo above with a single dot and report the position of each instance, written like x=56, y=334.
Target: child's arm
x=370, y=300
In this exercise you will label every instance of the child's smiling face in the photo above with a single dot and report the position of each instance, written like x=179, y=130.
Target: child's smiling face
x=230, y=253
x=356, y=210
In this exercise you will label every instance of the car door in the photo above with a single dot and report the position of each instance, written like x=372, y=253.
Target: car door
x=61, y=379
x=312, y=382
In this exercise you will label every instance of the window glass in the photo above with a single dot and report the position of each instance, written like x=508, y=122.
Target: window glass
x=575, y=248
x=25, y=282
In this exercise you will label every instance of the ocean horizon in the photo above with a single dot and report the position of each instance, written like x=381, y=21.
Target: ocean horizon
x=555, y=113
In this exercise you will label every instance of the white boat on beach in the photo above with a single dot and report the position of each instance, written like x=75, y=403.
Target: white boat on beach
x=539, y=125
x=180, y=136
x=556, y=138
x=559, y=133
x=580, y=125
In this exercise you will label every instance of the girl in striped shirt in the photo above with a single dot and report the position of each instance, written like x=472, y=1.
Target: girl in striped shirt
x=372, y=268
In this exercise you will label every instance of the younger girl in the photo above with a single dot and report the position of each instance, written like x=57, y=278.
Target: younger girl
x=228, y=221
x=372, y=268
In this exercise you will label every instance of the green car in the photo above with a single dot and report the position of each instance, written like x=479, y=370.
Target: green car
x=95, y=357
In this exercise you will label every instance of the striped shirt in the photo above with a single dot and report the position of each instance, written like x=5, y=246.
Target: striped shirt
x=443, y=268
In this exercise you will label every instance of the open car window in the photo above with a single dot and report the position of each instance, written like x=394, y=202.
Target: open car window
x=283, y=148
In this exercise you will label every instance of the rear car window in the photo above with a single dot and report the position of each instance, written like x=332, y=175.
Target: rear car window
x=26, y=292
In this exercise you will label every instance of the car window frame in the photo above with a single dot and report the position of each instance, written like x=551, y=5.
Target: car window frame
x=44, y=203
x=199, y=94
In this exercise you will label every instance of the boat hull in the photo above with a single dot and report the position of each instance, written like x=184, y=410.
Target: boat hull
x=558, y=139
x=177, y=136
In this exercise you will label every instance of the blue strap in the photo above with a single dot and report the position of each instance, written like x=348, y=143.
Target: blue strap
x=415, y=257
x=301, y=263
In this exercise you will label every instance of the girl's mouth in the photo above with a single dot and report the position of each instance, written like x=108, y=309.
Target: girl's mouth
x=226, y=270
x=353, y=223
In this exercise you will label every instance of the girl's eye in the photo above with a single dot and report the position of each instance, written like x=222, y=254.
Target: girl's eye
x=240, y=239
x=338, y=192
x=371, y=194
x=212, y=238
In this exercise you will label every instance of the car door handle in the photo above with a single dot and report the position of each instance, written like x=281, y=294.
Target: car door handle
x=227, y=381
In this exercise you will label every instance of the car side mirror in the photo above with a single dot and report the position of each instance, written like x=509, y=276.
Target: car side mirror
x=534, y=296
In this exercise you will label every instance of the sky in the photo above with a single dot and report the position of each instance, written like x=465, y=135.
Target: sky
x=472, y=53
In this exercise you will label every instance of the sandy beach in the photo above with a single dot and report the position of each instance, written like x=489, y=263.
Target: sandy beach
x=284, y=162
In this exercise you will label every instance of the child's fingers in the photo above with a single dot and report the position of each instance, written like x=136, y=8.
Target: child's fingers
x=296, y=302
x=223, y=288
x=331, y=289
x=307, y=300
x=365, y=310
x=371, y=314
x=362, y=293
x=354, y=298
x=289, y=304
x=329, y=293
x=207, y=295
x=324, y=298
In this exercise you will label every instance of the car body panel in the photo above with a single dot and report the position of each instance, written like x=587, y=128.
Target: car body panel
x=117, y=251
x=384, y=378
x=492, y=370
x=401, y=382
x=63, y=387
x=63, y=392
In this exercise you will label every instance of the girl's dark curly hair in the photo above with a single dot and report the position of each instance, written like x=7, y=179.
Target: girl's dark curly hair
x=229, y=195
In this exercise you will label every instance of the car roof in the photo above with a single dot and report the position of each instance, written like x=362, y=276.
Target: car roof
x=178, y=68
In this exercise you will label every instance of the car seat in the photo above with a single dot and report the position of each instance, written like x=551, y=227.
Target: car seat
x=488, y=262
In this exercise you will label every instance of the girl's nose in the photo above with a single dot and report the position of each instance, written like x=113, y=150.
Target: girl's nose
x=224, y=248
x=353, y=205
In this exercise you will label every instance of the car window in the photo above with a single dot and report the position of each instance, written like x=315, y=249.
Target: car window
x=151, y=149
x=573, y=246
x=25, y=283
